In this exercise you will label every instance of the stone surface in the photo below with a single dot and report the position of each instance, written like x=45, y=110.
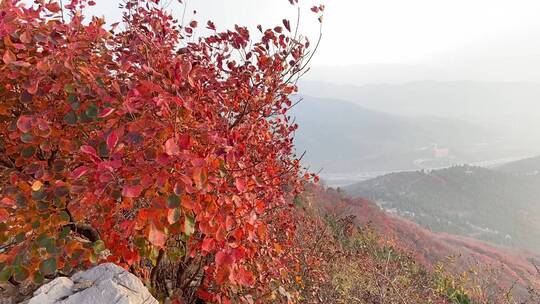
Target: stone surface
x=106, y=283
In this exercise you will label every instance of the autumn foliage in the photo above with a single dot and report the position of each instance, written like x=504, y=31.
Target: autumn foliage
x=127, y=143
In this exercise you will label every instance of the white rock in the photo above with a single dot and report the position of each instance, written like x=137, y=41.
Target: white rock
x=106, y=283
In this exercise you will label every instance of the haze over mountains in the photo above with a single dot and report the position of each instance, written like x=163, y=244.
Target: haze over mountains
x=355, y=132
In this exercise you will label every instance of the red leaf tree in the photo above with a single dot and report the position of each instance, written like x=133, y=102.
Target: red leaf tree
x=136, y=147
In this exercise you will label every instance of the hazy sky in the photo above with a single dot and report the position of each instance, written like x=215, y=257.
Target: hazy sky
x=476, y=39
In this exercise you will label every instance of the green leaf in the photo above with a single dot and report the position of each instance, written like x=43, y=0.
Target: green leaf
x=189, y=225
x=174, y=216
x=65, y=232
x=100, y=82
x=175, y=254
x=93, y=258
x=5, y=273
x=68, y=88
x=173, y=201
x=42, y=206
x=98, y=246
x=70, y=118
x=102, y=149
x=92, y=111
x=27, y=138
x=74, y=101
x=20, y=237
x=48, y=266
x=64, y=216
x=21, y=200
x=84, y=118
x=28, y=152
x=38, y=278
x=20, y=273
x=297, y=201
x=39, y=195
x=50, y=246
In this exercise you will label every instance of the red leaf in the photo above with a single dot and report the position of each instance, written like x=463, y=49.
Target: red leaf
x=245, y=277
x=259, y=207
x=9, y=57
x=287, y=24
x=222, y=275
x=127, y=228
x=25, y=37
x=157, y=237
x=211, y=25
x=24, y=123
x=89, y=150
x=132, y=191
x=53, y=7
x=187, y=202
x=112, y=140
x=223, y=259
x=241, y=185
x=4, y=214
x=6, y=201
x=184, y=141
x=77, y=173
x=171, y=147
x=32, y=89
x=106, y=112
x=208, y=244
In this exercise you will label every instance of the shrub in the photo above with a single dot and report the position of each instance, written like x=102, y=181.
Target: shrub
x=136, y=147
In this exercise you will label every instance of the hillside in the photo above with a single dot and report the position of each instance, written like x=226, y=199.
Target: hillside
x=470, y=201
x=343, y=137
x=502, y=266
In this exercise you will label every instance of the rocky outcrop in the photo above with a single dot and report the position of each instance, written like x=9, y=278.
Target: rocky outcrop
x=106, y=283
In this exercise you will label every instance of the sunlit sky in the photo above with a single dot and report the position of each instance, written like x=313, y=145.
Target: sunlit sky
x=474, y=39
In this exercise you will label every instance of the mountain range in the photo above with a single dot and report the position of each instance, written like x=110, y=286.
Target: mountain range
x=343, y=137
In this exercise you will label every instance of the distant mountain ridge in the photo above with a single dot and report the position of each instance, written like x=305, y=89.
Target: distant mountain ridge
x=465, y=100
x=485, y=204
x=341, y=136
